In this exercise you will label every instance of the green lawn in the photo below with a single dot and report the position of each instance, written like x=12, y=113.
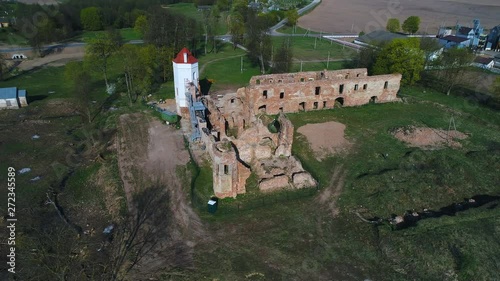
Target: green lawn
x=297, y=238
x=308, y=48
x=10, y=38
x=190, y=11
x=128, y=34
x=315, y=66
x=295, y=30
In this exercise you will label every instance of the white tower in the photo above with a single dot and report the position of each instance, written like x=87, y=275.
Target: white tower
x=185, y=67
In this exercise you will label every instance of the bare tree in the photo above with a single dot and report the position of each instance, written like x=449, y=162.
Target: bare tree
x=140, y=232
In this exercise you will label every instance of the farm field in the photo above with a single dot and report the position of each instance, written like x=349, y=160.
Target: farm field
x=354, y=16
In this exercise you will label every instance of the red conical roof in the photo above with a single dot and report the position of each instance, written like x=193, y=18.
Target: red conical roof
x=180, y=57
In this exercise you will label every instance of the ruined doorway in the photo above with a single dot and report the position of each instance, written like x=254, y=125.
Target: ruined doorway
x=262, y=109
x=373, y=99
x=339, y=102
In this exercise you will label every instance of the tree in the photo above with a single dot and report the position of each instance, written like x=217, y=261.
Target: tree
x=282, y=61
x=411, y=24
x=496, y=86
x=365, y=58
x=3, y=66
x=430, y=46
x=91, y=19
x=141, y=231
x=393, y=25
x=401, y=56
x=141, y=25
x=100, y=48
x=236, y=24
x=81, y=88
x=453, y=64
x=292, y=17
x=258, y=42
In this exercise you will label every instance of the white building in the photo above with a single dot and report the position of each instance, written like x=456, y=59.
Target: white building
x=185, y=67
x=13, y=98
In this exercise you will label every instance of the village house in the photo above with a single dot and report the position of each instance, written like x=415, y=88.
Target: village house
x=493, y=40
x=476, y=36
x=13, y=98
x=4, y=22
x=483, y=62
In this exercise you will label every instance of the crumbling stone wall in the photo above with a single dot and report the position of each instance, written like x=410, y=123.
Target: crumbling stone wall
x=305, y=91
x=239, y=143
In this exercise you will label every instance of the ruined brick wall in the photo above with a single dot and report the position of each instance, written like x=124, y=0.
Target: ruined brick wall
x=239, y=139
x=305, y=91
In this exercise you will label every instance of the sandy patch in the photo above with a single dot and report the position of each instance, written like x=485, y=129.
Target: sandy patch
x=325, y=138
x=429, y=138
x=353, y=16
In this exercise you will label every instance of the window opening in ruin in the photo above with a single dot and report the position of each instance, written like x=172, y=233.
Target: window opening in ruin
x=301, y=79
x=386, y=84
x=346, y=76
x=262, y=108
x=315, y=105
x=257, y=82
x=302, y=106
x=270, y=80
x=282, y=95
x=244, y=123
x=341, y=88
x=324, y=104
x=226, y=126
x=264, y=94
x=316, y=91
x=281, y=109
x=356, y=87
x=339, y=101
x=322, y=75
x=226, y=170
x=373, y=99
x=365, y=86
x=357, y=75
x=232, y=100
x=279, y=81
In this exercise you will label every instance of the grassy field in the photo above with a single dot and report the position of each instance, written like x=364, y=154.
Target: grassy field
x=295, y=30
x=299, y=239
x=224, y=67
x=190, y=11
x=127, y=34
x=10, y=38
x=308, y=48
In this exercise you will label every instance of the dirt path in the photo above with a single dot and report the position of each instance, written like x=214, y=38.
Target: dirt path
x=59, y=59
x=150, y=152
x=330, y=195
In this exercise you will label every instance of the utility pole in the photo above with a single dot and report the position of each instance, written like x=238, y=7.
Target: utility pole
x=315, y=38
x=328, y=61
x=300, y=66
x=241, y=68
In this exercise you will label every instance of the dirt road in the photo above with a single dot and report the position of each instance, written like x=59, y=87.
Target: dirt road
x=151, y=152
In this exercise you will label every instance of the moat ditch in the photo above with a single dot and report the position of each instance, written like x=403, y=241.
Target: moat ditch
x=411, y=217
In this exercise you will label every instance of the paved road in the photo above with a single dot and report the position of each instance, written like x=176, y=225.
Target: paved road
x=280, y=24
x=9, y=49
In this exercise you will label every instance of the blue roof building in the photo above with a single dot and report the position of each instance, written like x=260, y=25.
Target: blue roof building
x=13, y=98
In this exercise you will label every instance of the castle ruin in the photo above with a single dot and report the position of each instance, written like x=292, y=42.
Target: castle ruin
x=240, y=136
